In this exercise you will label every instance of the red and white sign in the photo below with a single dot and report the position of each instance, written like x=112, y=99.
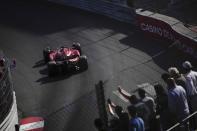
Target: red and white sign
x=158, y=29
x=32, y=124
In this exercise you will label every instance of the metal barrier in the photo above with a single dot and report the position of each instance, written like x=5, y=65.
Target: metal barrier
x=182, y=122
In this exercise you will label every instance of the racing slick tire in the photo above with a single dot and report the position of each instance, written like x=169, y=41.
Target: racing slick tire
x=46, y=53
x=54, y=68
x=65, y=67
x=77, y=46
x=83, y=62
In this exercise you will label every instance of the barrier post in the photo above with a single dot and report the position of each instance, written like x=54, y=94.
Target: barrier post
x=101, y=103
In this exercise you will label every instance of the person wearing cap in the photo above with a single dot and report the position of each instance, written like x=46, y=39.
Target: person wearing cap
x=179, y=78
x=191, y=86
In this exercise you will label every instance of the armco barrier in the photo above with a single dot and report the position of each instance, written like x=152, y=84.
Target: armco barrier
x=110, y=8
x=167, y=29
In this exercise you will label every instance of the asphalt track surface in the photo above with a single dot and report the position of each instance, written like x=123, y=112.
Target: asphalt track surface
x=118, y=54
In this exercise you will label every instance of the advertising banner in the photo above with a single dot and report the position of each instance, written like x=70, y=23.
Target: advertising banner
x=161, y=30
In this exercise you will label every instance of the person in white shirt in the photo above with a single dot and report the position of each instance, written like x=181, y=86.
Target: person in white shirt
x=191, y=79
x=177, y=101
x=191, y=86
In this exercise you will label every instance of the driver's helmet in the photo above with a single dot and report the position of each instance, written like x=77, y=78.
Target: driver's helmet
x=58, y=55
x=61, y=49
x=48, y=48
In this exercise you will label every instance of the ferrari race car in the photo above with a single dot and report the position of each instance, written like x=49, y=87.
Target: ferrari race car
x=65, y=59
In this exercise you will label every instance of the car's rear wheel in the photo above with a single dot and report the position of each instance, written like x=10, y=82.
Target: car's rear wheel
x=83, y=62
x=46, y=53
x=54, y=68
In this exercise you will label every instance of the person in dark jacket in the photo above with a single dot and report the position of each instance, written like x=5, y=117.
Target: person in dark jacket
x=121, y=116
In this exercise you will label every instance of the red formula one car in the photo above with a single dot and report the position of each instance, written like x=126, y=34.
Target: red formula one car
x=65, y=59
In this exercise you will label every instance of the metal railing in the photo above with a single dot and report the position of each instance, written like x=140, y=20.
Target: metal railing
x=178, y=124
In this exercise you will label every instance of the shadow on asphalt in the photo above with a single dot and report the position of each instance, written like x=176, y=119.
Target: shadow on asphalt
x=40, y=63
x=47, y=79
x=170, y=56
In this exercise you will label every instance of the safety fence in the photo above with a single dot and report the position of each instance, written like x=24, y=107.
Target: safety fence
x=179, y=124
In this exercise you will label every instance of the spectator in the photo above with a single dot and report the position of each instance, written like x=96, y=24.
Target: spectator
x=120, y=116
x=165, y=77
x=2, y=62
x=113, y=124
x=98, y=124
x=13, y=64
x=1, y=73
x=2, y=68
x=150, y=103
x=179, y=78
x=191, y=86
x=162, y=106
x=136, y=123
x=177, y=100
x=142, y=109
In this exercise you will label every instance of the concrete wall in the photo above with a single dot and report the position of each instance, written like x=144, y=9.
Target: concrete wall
x=168, y=29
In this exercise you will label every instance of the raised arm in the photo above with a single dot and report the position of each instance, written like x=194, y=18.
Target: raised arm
x=125, y=95
x=110, y=107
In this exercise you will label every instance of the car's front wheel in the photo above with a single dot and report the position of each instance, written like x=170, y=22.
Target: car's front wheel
x=46, y=53
x=54, y=68
x=83, y=62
